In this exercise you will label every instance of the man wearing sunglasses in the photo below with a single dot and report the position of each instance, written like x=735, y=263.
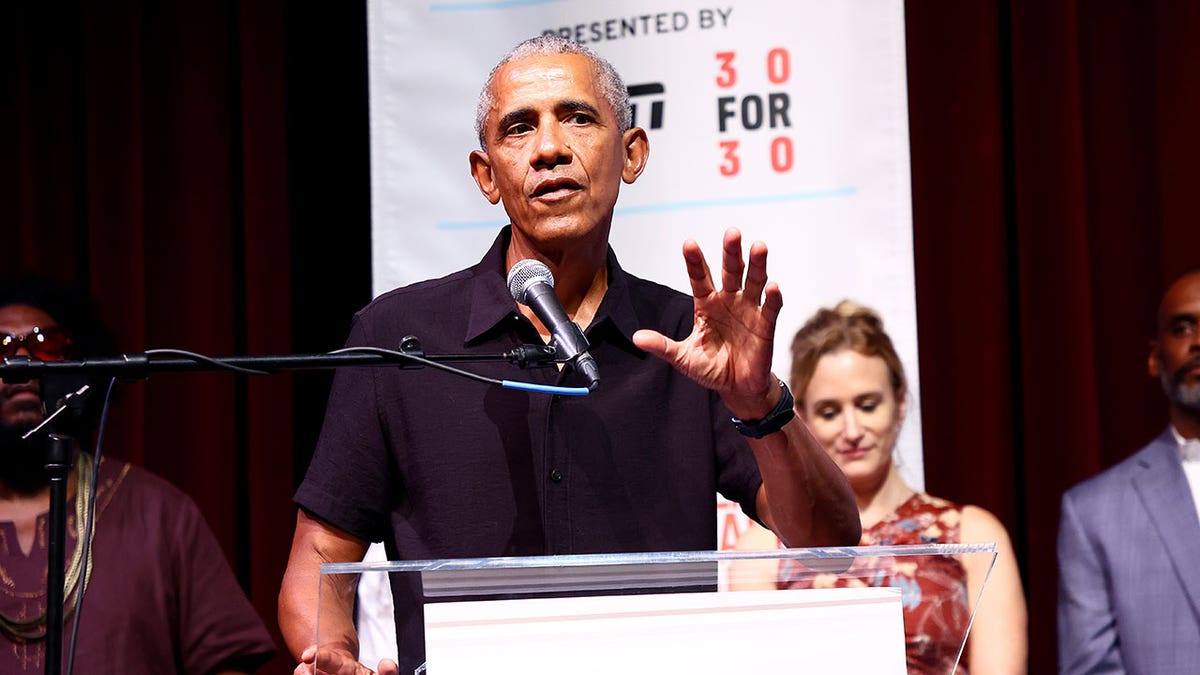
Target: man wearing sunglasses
x=159, y=596
x=23, y=401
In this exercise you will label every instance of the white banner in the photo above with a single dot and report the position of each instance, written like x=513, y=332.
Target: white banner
x=785, y=119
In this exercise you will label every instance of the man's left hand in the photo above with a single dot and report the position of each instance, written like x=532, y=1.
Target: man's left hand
x=733, y=334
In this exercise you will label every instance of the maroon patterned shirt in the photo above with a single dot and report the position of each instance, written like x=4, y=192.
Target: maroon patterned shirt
x=161, y=599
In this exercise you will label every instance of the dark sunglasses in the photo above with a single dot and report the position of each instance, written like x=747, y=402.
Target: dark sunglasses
x=47, y=344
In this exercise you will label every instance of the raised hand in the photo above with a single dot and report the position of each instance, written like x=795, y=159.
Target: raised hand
x=733, y=333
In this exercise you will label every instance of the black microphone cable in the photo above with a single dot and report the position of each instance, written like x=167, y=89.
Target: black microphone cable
x=89, y=526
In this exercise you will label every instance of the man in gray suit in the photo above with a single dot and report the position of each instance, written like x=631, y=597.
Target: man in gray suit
x=1129, y=538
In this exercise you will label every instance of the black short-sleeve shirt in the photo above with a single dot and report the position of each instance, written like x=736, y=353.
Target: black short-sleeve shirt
x=439, y=466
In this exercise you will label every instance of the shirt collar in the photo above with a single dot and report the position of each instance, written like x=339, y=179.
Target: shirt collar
x=616, y=310
x=492, y=306
x=1189, y=449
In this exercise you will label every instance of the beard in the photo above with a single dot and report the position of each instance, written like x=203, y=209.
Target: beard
x=21, y=416
x=1182, y=395
x=22, y=462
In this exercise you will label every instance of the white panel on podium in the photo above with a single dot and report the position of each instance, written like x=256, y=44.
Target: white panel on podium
x=762, y=632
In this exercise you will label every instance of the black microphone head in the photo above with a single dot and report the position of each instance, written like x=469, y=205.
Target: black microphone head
x=526, y=273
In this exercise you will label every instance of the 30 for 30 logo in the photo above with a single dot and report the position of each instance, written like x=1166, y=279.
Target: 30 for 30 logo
x=751, y=112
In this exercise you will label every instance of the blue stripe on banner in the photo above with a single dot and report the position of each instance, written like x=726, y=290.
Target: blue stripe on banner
x=682, y=206
x=476, y=6
x=738, y=201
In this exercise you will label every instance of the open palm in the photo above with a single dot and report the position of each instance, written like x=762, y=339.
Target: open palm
x=733, y=331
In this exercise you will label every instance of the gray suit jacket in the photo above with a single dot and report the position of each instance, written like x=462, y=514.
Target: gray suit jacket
x=1129, y=569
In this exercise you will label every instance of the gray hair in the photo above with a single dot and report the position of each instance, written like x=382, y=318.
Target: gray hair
x=611, y=86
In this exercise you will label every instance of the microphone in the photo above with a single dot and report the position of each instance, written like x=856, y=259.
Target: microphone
x=531, y=284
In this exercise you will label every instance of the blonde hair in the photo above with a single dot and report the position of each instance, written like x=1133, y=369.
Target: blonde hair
x=848, y=325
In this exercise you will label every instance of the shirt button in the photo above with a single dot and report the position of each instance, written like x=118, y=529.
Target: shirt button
x=555, y=475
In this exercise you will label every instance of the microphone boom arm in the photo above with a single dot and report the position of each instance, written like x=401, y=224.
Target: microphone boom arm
x=141, y=366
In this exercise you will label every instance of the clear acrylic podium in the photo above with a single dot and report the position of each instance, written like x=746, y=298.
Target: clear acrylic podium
x=817, y=610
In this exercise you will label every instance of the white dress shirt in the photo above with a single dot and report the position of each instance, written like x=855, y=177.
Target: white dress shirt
x=1189, y=456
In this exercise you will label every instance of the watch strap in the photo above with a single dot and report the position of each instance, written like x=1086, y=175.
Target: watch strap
x=781, y=414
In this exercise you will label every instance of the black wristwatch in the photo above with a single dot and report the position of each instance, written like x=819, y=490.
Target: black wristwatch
x=780, y=415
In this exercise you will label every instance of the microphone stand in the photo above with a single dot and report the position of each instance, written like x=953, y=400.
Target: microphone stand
x=138, y=366
x=58, y=467
x=58, y=464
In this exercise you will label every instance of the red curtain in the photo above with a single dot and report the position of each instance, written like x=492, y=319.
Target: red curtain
x=1052, y=147
x=202, y=169
x=146, y=159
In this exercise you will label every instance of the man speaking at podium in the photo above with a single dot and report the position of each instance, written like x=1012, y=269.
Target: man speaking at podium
x=438, y=467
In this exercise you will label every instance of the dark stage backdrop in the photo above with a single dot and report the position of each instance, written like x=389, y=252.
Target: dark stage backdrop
x=202, y=169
